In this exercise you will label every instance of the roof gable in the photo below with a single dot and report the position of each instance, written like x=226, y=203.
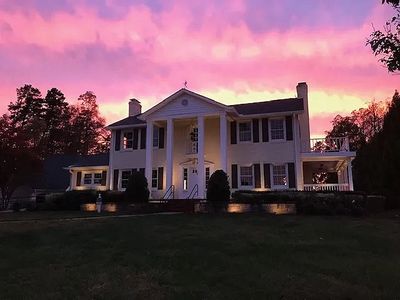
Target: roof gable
x=184, y=102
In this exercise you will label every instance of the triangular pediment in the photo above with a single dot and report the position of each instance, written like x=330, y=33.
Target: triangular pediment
x=184, y=102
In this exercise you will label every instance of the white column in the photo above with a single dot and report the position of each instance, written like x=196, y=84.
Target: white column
x=200, y=156
x=297, y=153
x=350, y=175
x=170, y=151
x=149, y=152
x=223, y=141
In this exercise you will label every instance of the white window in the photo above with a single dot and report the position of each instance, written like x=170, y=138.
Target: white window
x=156, y=136
x=87, y=178
x=245, y=131
x=277, y=129
x=207, y=176
x=185, y=179
x=128, y=140
x=125, y=178
x=246, y=176
x=154, y=178
x=279, y=176
x=97, y=178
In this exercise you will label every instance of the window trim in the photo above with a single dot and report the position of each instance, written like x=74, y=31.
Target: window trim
x=123, y=140
x=152, y=178
x=121, y=179
x=156, y=130
x=240, y=186
x=238, y=131
x=270, y=129
x=187, y=179
x=279, y=187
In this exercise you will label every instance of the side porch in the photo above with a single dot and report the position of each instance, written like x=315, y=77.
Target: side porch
x=326, y=165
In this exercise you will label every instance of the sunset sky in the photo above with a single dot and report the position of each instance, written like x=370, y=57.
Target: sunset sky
x=232, y=51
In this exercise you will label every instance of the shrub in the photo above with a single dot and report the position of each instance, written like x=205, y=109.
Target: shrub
x=218, y=187
x=137, y=189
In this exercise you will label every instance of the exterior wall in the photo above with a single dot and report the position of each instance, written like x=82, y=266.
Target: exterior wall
x=249, y=153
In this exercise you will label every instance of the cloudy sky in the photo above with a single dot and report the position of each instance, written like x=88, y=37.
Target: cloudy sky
x=233, y=51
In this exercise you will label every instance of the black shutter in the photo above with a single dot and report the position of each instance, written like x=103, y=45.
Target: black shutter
x=234, y=176
x=143, y=138
x=233, y=133
x=115, y=179
x=257, y=176
x=117, y=140
x=135, y=138
x=103, y=178
x=265, y=131
x=78, y=178
x=267, y=176
x=161, y=138
x=292, y=177
x=256, y=131
x=289, y=128
x=160, y=178
x=141, y=171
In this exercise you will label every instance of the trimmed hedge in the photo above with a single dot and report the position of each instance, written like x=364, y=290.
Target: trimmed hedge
x=317, y=203
x=72, y=200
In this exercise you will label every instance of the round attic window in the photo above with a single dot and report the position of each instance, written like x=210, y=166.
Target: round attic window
x=184, y=102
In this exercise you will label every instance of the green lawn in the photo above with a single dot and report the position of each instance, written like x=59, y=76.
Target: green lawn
x=201, y=257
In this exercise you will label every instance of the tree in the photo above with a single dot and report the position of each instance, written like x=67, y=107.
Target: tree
x=137, y=189
x=377, y=163
x=17, y=162
x=218, y=187
x=386, y=43
x=347, y=127
x=57, y=118
x=87, y=132
x=361, y=126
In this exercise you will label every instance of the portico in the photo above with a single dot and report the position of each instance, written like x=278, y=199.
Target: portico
x=184, y=157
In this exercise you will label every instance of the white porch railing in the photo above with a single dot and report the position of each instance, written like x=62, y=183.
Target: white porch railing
x=328, y=144
x=333, y=187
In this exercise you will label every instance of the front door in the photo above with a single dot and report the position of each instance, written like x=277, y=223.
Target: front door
x=191, y=179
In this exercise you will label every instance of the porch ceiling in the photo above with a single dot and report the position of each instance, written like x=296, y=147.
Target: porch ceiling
x=330, y=166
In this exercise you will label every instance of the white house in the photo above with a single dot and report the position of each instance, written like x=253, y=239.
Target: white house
x=182, y=140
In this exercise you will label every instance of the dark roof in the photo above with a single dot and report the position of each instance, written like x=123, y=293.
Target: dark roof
x=54, y=176
x=132, y=120
x=274, y=106
x=90, y=160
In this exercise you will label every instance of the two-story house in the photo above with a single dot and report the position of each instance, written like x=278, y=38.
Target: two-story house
x=182, y=140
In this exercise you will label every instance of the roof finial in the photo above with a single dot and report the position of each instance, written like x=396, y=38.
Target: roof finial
x=185, y=84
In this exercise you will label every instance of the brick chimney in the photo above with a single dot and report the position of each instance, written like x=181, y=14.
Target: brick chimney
x=135, y=107
x=304, y=118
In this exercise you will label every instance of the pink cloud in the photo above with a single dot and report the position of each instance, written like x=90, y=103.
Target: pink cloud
x=148, y=54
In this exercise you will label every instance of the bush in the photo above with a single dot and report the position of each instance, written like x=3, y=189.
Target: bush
x=137, y=190
x=218, y=187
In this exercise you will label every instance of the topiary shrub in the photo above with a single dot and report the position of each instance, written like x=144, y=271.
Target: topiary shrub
x=218, y=187
x=137, y=189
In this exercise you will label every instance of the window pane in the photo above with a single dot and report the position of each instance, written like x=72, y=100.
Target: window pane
x=97, y=178
x=128, y=140
x=277, y=129
x=154, y=179
x=246, y=176
x=125, y=178
x=87, y=179
x=155, y=136
x=279, y=175
x=245, y=132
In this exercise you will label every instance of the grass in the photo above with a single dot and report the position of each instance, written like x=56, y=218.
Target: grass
x=201, y=257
